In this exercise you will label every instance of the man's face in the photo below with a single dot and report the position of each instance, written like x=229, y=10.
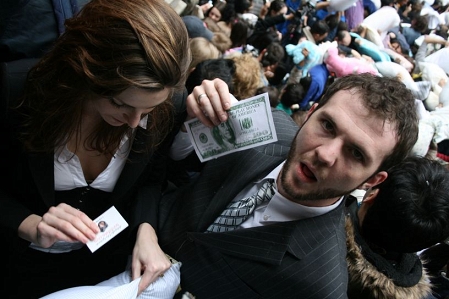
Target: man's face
x=320, y=37
x=346, y=39
x=340, y=147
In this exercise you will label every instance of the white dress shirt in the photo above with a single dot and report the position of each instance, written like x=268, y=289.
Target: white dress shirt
x=279, y=208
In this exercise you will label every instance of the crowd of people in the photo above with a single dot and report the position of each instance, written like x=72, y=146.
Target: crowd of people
x=351, y=201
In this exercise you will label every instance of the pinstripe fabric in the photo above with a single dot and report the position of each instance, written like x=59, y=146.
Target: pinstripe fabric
x=296, y=259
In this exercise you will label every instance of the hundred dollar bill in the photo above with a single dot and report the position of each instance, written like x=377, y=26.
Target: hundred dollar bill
x=249, y=124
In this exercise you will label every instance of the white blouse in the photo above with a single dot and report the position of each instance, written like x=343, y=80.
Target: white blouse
x=69, y=173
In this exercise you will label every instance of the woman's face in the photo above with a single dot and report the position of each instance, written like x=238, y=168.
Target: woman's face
x=395, y=46
x=225, y=131
x=215, y=14
x=130, y=106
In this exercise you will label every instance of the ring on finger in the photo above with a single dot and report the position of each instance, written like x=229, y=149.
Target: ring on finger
x=199, y=97
x=162, y=275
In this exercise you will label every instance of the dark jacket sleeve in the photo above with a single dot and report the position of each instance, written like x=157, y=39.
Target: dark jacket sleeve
x=264, y=24
x=149, y=193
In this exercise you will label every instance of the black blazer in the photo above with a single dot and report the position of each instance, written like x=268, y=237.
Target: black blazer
x=29, y=184
x=296, y=259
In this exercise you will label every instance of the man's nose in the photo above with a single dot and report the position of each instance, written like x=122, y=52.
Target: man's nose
x=328, y=153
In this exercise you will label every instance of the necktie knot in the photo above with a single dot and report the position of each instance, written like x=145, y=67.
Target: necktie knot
x=237, y=212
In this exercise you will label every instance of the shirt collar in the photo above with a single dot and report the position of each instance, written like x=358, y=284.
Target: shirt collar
x=281, y=209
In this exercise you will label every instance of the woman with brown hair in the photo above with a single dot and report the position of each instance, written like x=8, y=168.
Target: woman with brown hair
x=97, y=114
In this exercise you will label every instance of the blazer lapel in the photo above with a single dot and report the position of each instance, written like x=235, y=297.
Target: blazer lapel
x=250, y=166
x=137, y=161
x=268, y=244
x=310, y=232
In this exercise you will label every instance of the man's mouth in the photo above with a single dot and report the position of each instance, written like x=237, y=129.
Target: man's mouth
x=307, y=174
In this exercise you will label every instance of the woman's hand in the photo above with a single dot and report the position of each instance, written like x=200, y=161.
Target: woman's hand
x=148, y=260
x=209, y=102
x=205, y=7
x=60, y=223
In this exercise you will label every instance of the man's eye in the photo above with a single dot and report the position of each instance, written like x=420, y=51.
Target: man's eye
x=357, y=154
x=327, y=125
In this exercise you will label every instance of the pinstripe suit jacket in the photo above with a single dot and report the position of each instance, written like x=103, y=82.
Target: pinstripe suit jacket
x=296, y=259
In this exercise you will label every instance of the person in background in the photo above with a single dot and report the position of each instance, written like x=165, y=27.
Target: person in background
x=276, y=14
x=273, y=94
x=202, y=49
x=406, y=213
x=214, y=12
x=291, y=95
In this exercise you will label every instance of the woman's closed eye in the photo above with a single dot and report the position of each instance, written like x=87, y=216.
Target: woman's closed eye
x=114, y=103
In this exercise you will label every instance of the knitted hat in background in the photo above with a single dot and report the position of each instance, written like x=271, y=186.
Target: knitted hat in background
x=196, y=27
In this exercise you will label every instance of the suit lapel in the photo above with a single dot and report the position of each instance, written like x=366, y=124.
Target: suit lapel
x=137, y=161
x=311, y=232
x=250, y=166
x=268, y=244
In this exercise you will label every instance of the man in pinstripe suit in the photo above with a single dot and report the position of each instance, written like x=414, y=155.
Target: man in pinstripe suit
x=294, y=246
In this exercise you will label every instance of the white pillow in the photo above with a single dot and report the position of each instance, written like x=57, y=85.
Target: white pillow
x=392, y=69
x=121, y=287
x=433, y=73
x=440, y=58
x=431, y=102
x=340, y=5
x=444, y=95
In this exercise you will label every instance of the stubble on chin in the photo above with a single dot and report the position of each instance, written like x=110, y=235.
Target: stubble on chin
x=292, y=192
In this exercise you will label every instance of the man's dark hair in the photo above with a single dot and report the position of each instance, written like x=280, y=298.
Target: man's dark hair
x=420, y=24
x=242, y=6
x=386, y=2
x=411, y=210
x=262, y=40
x=276, y=6
x=319, y=27
x=273, y=55
x=293, y=94
x=341, y=35
x=239, y=34
x=210, y=69
x=273, y=94
x=388, y=99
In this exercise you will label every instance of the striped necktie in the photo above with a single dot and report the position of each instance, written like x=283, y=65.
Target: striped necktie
x=237, y=212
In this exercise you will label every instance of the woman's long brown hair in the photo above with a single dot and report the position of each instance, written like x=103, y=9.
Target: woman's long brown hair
x=111, y=45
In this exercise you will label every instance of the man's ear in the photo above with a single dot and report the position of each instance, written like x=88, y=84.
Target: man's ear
x=309, y=113
x=370, y=195
x=374, y=180
x=367, y=202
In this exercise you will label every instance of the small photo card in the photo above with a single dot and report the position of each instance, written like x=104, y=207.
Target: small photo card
x=111, y=223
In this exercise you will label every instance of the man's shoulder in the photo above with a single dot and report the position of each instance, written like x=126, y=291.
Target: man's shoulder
x=284, y=123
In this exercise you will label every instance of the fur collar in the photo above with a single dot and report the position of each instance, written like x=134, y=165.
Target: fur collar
x=366, y=279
